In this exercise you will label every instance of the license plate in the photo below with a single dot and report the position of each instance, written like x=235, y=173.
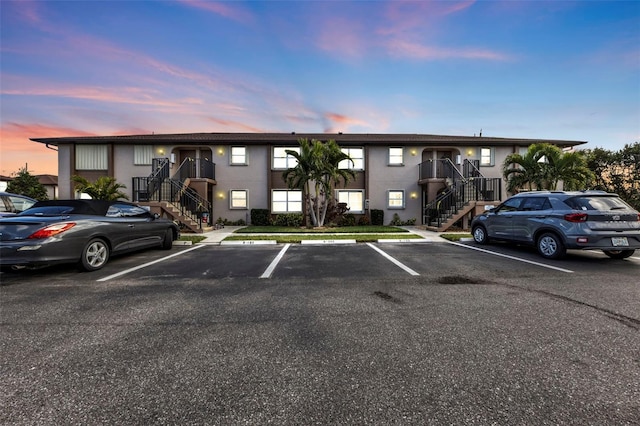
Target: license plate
x=619, y=242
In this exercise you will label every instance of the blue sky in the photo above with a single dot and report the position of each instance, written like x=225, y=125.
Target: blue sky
x=530, y=69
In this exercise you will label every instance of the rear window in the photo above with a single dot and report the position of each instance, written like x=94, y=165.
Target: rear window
x=47, y=211
x=597, y=203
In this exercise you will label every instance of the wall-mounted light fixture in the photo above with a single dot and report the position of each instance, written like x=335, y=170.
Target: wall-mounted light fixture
x=414, y=195
x=470, y=152
x=220, y=151
x=414, y=152
x=161, y=151
x=221, y=195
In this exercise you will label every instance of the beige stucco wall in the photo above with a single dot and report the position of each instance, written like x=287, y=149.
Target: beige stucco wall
x=252, y=177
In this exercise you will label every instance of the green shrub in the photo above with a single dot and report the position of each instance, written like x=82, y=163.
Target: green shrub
x=348, y=220
x=260, y=217
x=377, y=217
x=289, y=219
x=364, y=221
x=396, y=221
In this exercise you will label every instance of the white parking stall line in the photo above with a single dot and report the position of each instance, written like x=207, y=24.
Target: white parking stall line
x=126, y=271
x=394, y=260
x=519, y=259
x=267, y=273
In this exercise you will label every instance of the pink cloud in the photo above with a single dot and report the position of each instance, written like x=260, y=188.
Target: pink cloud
x=341, y=123
x=406, y=48
x=18, y=151
x=223, y=9
x=343, y=37
x=230, y=125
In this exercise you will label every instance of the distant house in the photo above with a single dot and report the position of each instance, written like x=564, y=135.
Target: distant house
x=50, y=183
x=435, y=180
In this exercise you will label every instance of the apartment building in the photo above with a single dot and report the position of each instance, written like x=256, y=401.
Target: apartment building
x=225, y=175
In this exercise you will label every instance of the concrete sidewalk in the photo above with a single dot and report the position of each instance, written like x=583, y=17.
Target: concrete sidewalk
x=217, y=235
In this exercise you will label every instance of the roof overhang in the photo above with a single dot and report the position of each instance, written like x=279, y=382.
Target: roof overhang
x=292, y=138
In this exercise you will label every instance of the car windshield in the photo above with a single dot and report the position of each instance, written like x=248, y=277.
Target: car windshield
x=597, y=203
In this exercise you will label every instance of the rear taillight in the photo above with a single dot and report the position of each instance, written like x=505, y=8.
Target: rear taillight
x=576, y=217
x=51, y=230
x=638, y=217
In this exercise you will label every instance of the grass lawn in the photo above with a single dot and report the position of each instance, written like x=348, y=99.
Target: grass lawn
x=296, y=238
x=324, y=230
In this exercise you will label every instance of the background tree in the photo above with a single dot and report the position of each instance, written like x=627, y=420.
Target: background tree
x=27, y=184
x=617, y=172
x=105, y=188
x=318, y=165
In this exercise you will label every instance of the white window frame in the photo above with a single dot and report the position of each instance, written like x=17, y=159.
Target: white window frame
x=236, y=198
x=357, y=155
x=395, y=158
x=393, y=201
x=345, y=196
x=91, y=157
x=283, y=161
x=238, y=156
x=286, y=201
x=142, y=155
x=487, y=156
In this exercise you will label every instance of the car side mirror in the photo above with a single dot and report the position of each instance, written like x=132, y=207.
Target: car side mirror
x=156, y=216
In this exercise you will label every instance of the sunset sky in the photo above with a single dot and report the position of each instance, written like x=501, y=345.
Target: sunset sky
x=530, y=69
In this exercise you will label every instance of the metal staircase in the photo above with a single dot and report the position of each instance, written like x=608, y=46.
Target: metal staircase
x=460, y=197
x=173, y=194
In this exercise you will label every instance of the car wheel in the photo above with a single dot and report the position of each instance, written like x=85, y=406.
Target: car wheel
x=167, y=241
x=480, y=235
x=550, y=246
x=618, y=254
x=94, y=255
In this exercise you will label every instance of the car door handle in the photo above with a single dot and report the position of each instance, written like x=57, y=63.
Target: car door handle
x=131, y=226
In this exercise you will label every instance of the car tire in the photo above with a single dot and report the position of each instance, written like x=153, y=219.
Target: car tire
x=95, y=255
x=167, y=241
x=479, y=234
x=550, y=246
x=618, y=254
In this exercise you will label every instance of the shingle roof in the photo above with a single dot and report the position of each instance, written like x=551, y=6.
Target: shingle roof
x=272, y=138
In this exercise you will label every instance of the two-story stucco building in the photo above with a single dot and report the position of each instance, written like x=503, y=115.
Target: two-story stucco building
x=225, y=175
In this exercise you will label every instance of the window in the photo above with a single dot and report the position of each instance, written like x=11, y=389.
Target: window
x=283, y=201
x=282, y=160
x=486, y=157
x=91, y=157
x=239, y=155
x=357, y=155
x=238, y=198
x=396, y=156
x=353, y=199
x=511, y=205
x=142, y=155
x=395, y=199
x=535, y=204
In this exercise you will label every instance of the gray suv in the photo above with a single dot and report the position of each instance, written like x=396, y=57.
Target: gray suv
x=555, y=221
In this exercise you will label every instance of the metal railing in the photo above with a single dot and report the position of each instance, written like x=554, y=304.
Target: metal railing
x=458, y=195
x=443, y=168
x=159, y=187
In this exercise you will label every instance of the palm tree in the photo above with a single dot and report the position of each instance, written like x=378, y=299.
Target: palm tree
x=318, y=164
x=104, y=188
x=527, y=172
x=332, y=174
x=543, y=167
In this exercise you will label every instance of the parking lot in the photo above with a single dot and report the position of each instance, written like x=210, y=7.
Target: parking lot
x=380, y=333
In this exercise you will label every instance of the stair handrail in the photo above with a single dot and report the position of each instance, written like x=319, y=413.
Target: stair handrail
x=190, y=204
x=470, y=169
